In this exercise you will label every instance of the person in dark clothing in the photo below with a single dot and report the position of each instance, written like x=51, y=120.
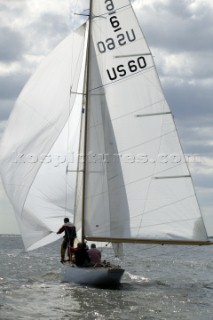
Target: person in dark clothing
x=81, y=255
x=69, y=237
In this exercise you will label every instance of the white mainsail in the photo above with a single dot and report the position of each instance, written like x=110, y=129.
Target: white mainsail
x=143, y=188
x=137, y=183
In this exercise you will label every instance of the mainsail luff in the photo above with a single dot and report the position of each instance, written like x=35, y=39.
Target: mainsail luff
x=79, y=198
x=86, y=121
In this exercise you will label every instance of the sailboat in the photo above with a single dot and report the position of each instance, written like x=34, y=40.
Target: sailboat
x=92, y=138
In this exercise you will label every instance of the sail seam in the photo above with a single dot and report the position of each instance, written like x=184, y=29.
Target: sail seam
x=134, y=181
x=164, y=223
x=143, y=143
x=135, y=54
x=134, y=111
x=165, y=206
x=148, y=141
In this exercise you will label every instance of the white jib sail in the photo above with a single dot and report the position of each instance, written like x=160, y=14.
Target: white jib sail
x=40, y=145
x=138, y=185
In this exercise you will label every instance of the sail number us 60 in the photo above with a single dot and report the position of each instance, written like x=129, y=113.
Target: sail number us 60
x=122, y=70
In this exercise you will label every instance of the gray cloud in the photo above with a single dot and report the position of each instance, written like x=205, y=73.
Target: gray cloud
x=12, y=39
x=52, y=25
x=190, y=103
x=197, y=140
x=177, y=26
x=11, y=85
x=192, y=107
x=6, y=107
x=188, y=66
x=204, y=181
x=12, y=45
x=12, y=7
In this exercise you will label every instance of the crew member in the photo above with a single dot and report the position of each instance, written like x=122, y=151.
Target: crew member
x=69, y=237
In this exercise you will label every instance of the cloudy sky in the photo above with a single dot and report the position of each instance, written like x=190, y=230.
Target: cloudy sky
x=180, y=35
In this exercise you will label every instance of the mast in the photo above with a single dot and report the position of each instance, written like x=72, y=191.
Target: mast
x=86, y=120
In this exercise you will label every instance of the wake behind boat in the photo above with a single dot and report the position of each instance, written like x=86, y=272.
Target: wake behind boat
x=95, y=140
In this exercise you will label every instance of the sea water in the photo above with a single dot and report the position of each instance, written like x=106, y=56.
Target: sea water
x=160, y=282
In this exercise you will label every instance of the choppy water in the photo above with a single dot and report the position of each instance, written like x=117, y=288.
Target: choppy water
x=167, y=282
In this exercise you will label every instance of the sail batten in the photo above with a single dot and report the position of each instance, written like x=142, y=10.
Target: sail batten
x=152, y=114
x=135, y=55
x=173, y=177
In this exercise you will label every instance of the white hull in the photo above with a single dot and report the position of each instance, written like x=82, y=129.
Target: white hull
x=100, y=277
